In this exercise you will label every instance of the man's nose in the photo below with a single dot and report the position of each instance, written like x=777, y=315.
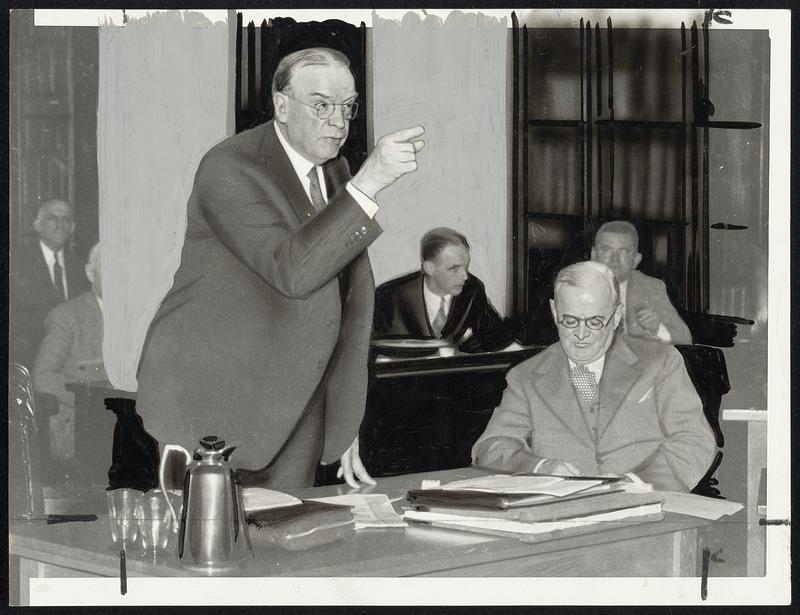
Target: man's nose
x=464, y=275
x=582, y=331
x=337, y=117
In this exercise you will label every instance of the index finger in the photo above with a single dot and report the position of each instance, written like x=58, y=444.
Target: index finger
x=406, y=134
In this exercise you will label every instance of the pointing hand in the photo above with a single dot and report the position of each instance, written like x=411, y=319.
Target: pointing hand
x=394, y=155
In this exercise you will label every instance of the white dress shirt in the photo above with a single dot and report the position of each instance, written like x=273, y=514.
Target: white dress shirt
x=433, y=301
x=50, y=259
x=302, y=166
x=662, y=333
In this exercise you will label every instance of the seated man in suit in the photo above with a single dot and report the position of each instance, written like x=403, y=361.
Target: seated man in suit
x=443, y=300
x=72, y=351
x=44, y=273
x=598, y=402
x=647, y=309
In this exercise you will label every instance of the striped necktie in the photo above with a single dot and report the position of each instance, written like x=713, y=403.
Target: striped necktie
x=317, y=200
x=440, y=320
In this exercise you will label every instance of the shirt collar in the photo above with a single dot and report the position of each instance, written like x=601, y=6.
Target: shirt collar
x=596, y=366
x=49, y=257
x=432, y=300
x=300, y=165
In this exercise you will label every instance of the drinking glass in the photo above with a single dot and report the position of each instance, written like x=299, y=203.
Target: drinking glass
x=156, y=527
x=121, y=506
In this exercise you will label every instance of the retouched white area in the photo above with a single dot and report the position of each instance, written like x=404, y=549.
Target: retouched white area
x=155, y=120
x=458, y=68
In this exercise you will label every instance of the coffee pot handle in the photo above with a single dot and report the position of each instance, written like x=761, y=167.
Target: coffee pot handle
x=162, y=470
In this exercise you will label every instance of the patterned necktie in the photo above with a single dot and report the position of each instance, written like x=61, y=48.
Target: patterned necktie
x=58, y=278
x=440, y=320
x=316, y=192
x=584, y=382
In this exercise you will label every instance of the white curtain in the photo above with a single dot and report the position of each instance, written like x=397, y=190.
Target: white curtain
x=163, y=101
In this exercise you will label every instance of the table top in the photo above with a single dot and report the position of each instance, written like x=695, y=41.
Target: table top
x=384, y=367
x=411, y=551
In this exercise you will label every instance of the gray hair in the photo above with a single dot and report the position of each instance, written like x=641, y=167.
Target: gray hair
x=313, y=56
x=584, y=274
x=620, y=227
x=437, y=239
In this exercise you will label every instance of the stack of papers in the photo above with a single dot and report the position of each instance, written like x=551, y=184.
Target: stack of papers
x=503, y=483
x=371, y=510
x=257, y=498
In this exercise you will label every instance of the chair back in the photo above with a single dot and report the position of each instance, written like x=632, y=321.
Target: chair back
x=25, y=478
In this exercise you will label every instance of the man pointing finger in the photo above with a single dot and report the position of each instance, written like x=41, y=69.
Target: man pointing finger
x=263, y=338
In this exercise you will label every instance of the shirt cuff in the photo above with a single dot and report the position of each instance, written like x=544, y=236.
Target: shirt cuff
x=536, y=467
x=369, y=206
x=663, y=334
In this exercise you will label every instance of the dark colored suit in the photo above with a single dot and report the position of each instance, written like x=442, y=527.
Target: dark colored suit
x=645, y=291
x=400, y=310
x=650, y=419
x=255, y=321
x=32, y=295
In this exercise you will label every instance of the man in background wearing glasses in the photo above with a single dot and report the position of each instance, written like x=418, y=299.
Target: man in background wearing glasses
x=263, y=339
x=599, y=402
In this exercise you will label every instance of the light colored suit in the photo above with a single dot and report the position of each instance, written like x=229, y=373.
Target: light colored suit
x=271, y=301
x=650, y=418
x=645, y=291
x=73, y=340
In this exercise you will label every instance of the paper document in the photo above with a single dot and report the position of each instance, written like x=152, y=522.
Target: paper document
x=258, y=498
x=521, y=527
x=503, y=483
x=698, y=505
x=371, y=509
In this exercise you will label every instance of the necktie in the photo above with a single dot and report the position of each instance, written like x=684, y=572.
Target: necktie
x=439, y=320
x=584, y=382
x=58, y=278
x=316, y=192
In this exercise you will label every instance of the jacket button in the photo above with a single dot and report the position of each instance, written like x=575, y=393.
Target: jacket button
x=363, y=229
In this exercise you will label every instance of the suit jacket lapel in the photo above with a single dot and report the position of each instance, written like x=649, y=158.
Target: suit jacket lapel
x=459, y=310
x=620, y=373
x=282, y=171
x=555, y=389
x=415, y=300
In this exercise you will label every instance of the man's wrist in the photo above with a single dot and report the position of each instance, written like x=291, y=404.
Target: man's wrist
x=366, y=203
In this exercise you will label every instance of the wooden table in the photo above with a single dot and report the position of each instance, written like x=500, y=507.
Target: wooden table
x=663, y=548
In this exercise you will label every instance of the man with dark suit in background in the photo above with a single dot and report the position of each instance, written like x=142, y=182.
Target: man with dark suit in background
x=442, y=300
x=263, y=338
x=648, y=312
x=43, y=274
x=599, y=402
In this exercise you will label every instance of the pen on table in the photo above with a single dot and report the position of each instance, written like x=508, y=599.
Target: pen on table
x=123, y=573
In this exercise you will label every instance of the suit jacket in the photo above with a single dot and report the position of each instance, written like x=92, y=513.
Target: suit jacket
x=32, y=296
x=255, y=320
x=650, y=419
x=648, y=292
x=72, y=349
x=400, y=310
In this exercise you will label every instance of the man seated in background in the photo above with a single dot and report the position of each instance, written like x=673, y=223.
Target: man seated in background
x=442, y=300
x=598, y=402
x=72, y=351
x=647, y=309
x=44, y=273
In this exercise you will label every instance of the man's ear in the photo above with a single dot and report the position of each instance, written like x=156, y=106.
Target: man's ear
x=594, y=255
x=553, y=310
x=89, y=272
x=280, y=102
x=37, y=225
x=637, y=259
x=427, y=267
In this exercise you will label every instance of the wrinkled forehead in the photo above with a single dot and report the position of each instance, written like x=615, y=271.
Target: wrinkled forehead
x=589, y=298
x=452, y=255
x=323, y=78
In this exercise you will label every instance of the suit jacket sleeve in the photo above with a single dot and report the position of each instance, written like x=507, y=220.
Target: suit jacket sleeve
x=248, y=210
x=491, y=332
x=48, y=367
x=505, y=444
x=689, y=446
x=678, y=331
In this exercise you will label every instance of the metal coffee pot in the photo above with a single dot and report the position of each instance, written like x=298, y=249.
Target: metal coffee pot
x=213, y=532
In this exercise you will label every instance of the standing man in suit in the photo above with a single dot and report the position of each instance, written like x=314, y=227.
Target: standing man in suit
x=443, y=300
x=647, y=309
x=598, y=402
x=72, y=351
x=263, y=338
x=44, y=273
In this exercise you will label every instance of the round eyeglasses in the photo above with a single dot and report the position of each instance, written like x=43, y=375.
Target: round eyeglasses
x=324, y=109
x=595, y=323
